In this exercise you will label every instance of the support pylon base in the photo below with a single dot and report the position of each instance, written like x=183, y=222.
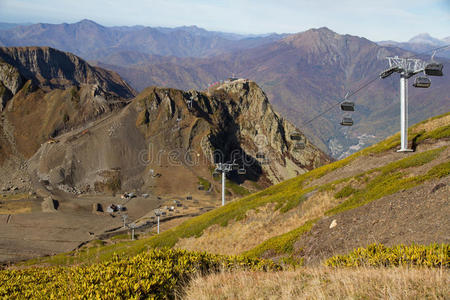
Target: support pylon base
x=405, y=150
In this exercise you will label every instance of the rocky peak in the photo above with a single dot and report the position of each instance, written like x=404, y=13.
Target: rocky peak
x=426, y=38
x=325, y=41
x=239, y=123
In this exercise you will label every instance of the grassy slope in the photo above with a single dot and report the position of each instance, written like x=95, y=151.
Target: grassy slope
x=324, y=283
x=288, y=195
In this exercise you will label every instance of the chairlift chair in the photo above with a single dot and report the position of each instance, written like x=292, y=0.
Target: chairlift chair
x=299, y=146
x=422, y=82
x=242, y=171
x=348, y=106
x=296, y=136
x=260, y=155
x=388, y=72
x=347, y=121
x=434, y=69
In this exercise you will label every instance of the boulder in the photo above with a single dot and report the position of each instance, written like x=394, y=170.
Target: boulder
x=97, y=208
x=49, y=205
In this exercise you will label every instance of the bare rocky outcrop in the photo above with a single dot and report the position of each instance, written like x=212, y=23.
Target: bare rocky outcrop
x=10, y=82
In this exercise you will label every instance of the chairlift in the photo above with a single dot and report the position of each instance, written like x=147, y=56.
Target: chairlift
x=347, y=121
x=242, y=171
x=234, y=166
x=189, y=102
x=348, y=106
x=388, y=72
x=299, y=146
x=434, y=69
x=260, y=155
x=422, y=82
x=296, y=136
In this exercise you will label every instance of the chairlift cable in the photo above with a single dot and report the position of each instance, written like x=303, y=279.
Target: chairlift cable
x=427, y=51
x=348, y=95
x=339, y=102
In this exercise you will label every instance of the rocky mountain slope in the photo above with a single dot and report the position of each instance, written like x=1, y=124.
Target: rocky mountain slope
x=44, y=92
x=163, y=144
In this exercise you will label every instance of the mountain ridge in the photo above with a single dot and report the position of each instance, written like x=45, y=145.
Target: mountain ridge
x=92, y=40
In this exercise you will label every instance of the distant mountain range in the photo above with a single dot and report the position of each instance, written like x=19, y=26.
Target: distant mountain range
x=6, y=26
x=94, y=41
x=303, y=74
x=422, y=43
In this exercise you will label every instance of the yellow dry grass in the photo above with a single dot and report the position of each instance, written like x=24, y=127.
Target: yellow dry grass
x=10, y=197
x=258, y=226
x=433, y=124
x=15, y=208
x=323, y=283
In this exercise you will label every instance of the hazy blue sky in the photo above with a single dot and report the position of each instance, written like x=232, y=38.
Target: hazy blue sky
x=374, y=19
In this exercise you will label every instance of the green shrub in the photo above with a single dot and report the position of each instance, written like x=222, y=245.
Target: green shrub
x=281, y=244
x=237, y=189
x=123, y=236
x=345, y=192
x=377, y=255
x=390, y=179
x=204, y=183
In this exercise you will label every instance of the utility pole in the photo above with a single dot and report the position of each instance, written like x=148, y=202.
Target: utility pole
x=223, y=187
x=124, y=218
x=408, y=67
x=157, y=214
x=132, y=226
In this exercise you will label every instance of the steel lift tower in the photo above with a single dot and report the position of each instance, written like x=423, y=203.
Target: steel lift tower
x=408, y=67
x=225, y=168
